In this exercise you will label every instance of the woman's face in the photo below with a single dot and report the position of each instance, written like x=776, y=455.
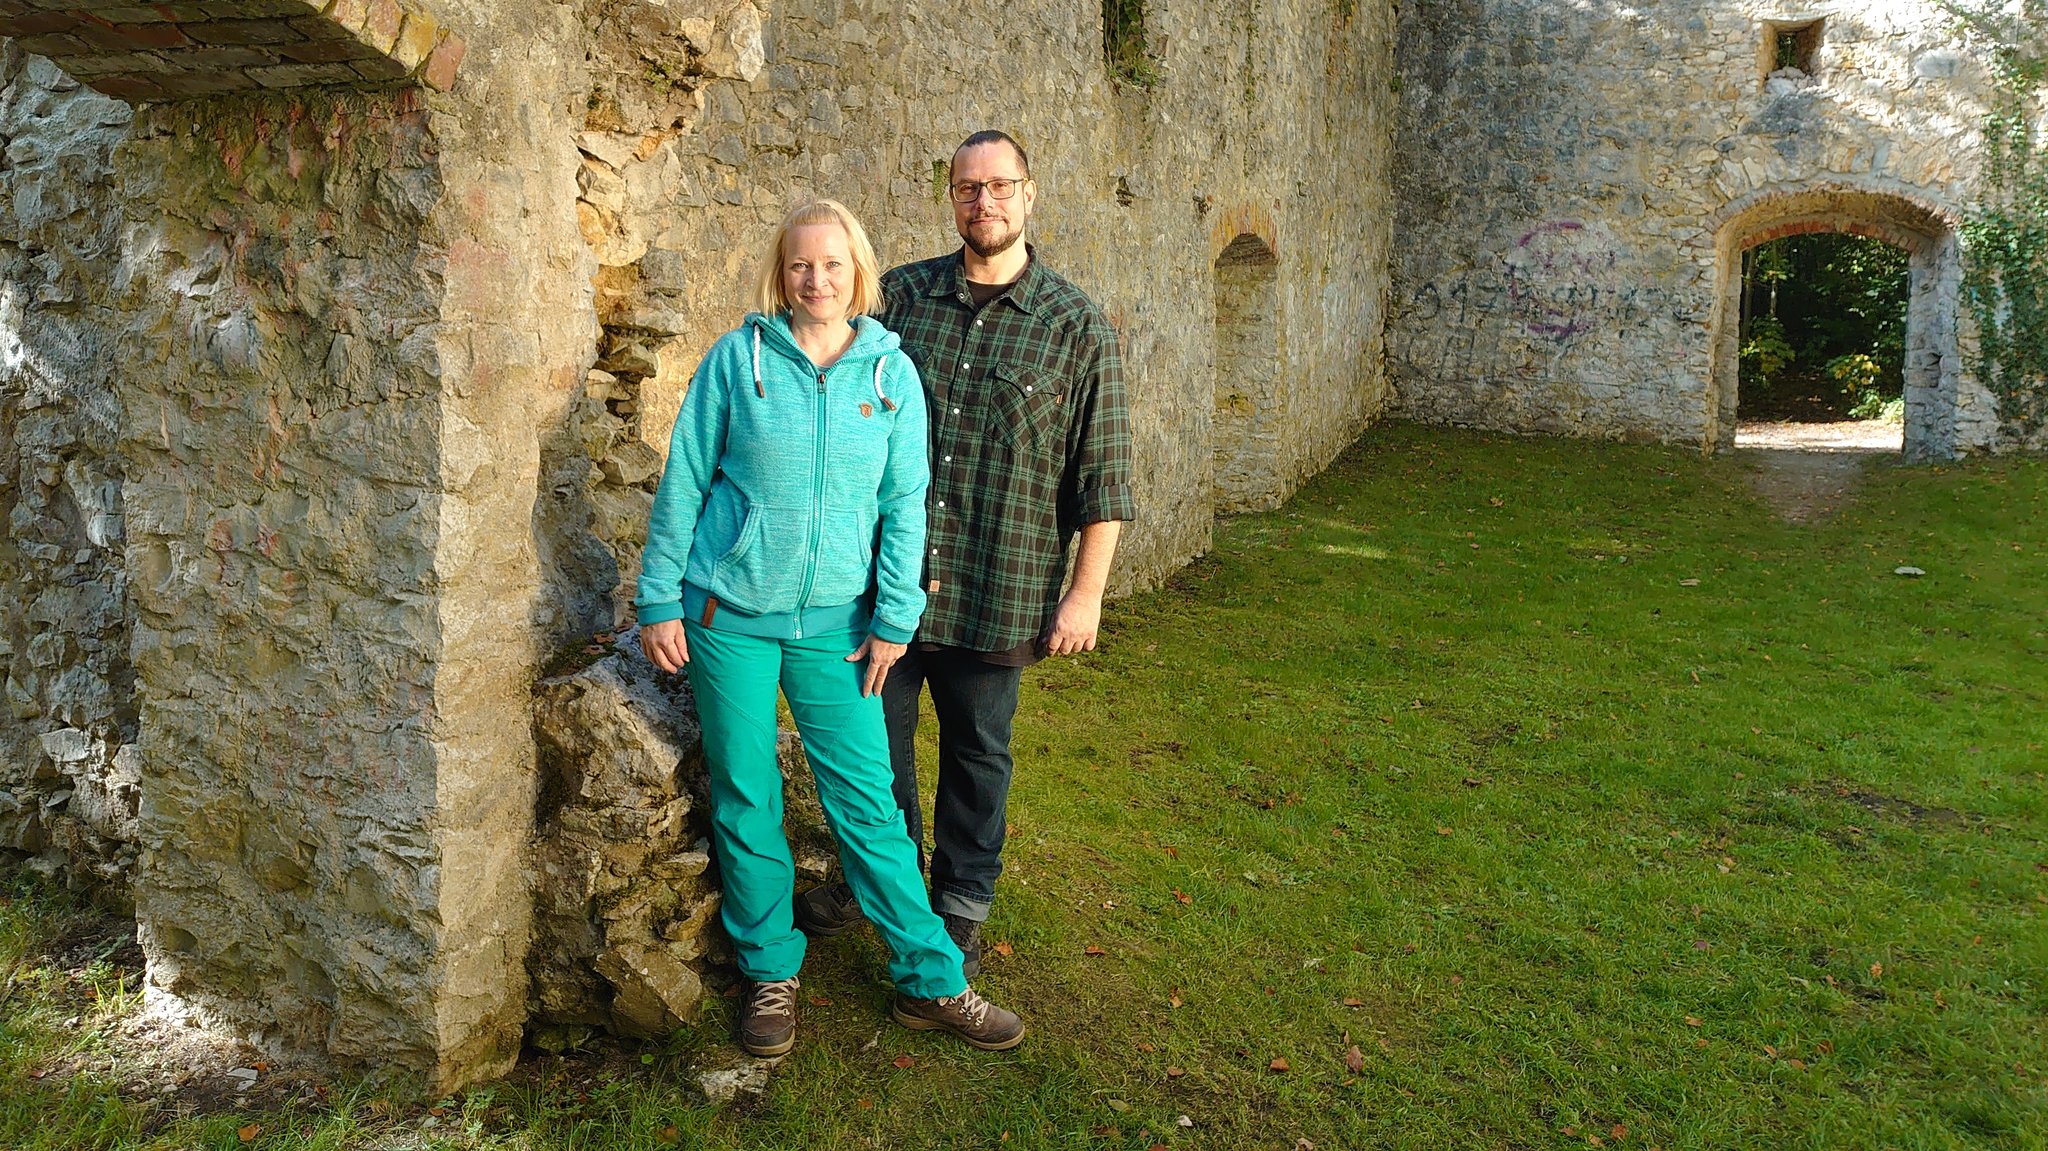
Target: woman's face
x=817, y=272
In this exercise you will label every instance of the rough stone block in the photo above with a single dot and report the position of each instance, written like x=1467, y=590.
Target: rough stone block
x=379, y=68
x=55, y=45
x=243, y=32
x=381, y=24
x=133, y=37
x=302, y=75
x=443, y=63
x=136, y=89
x=416, y=38
x=327, y=51
x=38, y=24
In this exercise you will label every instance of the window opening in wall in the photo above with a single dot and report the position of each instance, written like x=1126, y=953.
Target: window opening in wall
x=1124, y=45
x=1823, y=341
x=1248, y=425
x=1795, y=48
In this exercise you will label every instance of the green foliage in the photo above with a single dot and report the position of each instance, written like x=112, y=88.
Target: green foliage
x=1765, y=351
x=2005, y=236
x=1832, y=332
x=1124, y=46
x=1562, y=780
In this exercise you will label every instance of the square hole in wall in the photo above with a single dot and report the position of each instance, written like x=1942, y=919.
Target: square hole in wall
x=1792, y=47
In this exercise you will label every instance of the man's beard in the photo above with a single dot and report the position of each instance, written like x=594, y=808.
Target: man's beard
x=997, y=247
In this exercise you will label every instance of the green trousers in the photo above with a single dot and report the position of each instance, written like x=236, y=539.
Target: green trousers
x=734, y=677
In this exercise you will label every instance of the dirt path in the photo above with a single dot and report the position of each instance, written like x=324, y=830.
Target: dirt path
x=1806, y=471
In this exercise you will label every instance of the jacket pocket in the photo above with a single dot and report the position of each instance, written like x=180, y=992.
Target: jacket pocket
x=846, y=558
x=1027, y=410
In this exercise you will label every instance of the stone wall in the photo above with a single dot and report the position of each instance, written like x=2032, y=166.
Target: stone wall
x=1576, y=183
x=1269, y=120
x=68, y=766
x=350, y=321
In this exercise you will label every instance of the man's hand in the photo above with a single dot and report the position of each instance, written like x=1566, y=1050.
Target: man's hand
x=664, y=644
x=1074, y=624
x=881, y=656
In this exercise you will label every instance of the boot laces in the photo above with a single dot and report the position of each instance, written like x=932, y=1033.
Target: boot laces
x=969, y=1003
x=776, y=997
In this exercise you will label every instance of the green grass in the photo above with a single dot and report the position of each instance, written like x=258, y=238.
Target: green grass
x=1446, y=760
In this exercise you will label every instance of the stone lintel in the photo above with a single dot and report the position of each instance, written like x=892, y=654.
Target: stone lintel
x=294, y=41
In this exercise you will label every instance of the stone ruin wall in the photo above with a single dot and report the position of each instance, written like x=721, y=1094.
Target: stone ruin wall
x=69, y=768
x=333, y=413
x=1270, y=122
x=1576, y=183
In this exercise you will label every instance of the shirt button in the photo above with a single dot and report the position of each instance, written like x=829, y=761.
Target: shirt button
x=1027, y=387
x=977, y=323
x=956, y=411
x=949, y=459
x=964, y=366
x=935, y=551
x=942, y=503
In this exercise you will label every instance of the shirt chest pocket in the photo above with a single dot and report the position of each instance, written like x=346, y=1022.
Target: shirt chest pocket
x=1027, y=410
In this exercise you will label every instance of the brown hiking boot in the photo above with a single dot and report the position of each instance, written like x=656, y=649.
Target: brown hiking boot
x=967, y=1015
x=828, y=909
x=768, y=1023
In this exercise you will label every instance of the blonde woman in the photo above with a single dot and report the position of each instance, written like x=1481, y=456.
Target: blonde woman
x=785, y=548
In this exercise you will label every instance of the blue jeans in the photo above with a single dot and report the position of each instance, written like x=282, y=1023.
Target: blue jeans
x=975, y=703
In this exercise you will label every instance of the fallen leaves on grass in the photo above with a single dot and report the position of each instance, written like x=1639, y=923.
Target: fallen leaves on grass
x=669, y=1134
x=821, y=1001
x=1877, y=971
x=1354, y=1059
x=1173, y=1072
x=903, y=1061
x=1351, y=1001
x=1692, y=1021
x=1004, y=949
x=1277, y=1065
x=1180, y=896
x=1092, y=949
x=248, y=1134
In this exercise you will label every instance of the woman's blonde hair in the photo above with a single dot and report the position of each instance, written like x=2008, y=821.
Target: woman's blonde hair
x=769, y=298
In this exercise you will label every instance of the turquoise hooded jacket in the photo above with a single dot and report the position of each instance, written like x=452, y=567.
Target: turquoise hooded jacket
x=793, y=496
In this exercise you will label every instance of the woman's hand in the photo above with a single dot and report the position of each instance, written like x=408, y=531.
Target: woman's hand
x=664, y=644
x=881, y=656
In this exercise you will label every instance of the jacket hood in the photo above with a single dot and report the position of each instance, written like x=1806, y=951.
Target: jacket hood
x=871, y=340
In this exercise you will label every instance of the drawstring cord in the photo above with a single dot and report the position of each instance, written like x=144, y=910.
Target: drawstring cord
x=887, y=404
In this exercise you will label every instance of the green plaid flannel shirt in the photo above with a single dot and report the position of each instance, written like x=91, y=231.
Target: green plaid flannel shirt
x=1030, y=439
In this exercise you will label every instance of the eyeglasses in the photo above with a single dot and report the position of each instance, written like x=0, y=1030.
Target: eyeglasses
x=968, y=191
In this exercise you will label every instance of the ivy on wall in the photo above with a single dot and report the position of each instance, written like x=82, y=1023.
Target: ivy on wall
x=2005, y=278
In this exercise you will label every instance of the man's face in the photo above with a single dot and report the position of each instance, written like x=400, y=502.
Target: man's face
x=990, y=226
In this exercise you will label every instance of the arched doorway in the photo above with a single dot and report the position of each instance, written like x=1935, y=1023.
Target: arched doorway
x=1247, y=420
x=1934, y=280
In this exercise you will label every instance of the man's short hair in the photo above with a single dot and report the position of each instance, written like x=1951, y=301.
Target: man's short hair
x=992, y=136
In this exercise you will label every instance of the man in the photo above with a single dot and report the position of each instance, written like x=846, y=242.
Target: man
x=1030, y=445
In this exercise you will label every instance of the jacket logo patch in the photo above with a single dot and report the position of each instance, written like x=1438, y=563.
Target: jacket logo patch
x=867, y=409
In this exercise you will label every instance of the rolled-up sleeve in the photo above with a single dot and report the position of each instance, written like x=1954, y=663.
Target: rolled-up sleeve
x=1097, y=483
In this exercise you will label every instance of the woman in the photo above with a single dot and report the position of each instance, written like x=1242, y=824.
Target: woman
x=785, y=547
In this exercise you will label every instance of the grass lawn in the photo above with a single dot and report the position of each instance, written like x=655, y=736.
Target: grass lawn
x=1493, y=793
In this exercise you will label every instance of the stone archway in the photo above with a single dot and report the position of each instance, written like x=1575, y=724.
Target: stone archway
x=1927, y=233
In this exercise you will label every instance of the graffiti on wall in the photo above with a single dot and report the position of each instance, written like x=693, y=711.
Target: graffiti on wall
x=1558, y=286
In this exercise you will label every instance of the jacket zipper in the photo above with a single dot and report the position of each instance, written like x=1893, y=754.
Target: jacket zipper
x=817, y=502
